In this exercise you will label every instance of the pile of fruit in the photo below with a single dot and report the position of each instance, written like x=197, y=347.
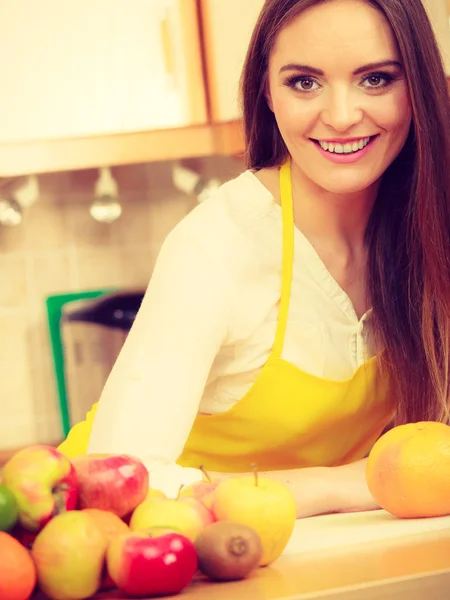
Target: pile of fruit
x=70, y=529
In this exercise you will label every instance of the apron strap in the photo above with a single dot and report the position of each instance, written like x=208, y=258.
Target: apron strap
x=288, y=255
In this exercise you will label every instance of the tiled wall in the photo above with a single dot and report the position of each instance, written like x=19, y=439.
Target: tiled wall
x=60, y=248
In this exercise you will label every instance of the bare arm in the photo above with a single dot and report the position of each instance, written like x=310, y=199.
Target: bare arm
x=322, y=490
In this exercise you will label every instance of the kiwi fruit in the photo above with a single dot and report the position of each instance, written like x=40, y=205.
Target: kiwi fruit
x=228, y=551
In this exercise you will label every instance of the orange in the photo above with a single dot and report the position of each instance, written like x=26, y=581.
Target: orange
x=408, y=470
x=17, y=570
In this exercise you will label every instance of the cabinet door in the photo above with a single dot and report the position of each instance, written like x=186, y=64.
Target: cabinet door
x=76, y=68
x=439, y=17
x=227, y=27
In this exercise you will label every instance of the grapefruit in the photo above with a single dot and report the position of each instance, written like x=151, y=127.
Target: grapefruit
x=408, y=470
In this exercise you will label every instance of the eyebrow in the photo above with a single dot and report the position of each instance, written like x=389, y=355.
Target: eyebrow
x=358, y=71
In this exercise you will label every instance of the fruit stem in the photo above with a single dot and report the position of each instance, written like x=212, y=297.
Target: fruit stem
x=205, y=473
x=60, y=500
x=255, y=471
x=179, y=490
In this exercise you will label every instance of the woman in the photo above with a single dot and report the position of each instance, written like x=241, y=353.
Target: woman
x=302, y=310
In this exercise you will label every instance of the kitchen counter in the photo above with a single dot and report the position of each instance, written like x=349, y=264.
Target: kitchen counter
x=356, y=556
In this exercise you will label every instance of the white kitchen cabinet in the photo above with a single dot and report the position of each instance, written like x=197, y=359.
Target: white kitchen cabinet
x=438, y=13
x=81, y=68
x=227, y=28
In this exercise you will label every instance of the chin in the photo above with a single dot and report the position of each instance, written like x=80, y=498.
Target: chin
x=347, y=185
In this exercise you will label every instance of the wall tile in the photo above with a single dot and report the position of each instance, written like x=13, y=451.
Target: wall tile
x=82, y=230
x=99, y=267
x=137, y=265
x=45, y=402
x=45, y=228
x=166, y=212
x=13, y=339
x=51, y=273
x=133, y=226
x=12, y=239
x=16, y=390
x=14, y=288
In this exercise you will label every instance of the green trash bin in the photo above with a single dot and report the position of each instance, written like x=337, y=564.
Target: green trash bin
x=54, y=306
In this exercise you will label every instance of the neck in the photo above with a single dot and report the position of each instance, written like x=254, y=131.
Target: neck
x=338, y=221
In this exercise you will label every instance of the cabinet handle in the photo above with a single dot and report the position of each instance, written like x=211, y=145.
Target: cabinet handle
x=168, y=49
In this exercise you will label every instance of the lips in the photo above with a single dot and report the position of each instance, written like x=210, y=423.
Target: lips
x=349, y=140
x=344, y=145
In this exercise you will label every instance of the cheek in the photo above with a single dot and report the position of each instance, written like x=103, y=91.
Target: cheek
x=394, y=112
x=292, y=114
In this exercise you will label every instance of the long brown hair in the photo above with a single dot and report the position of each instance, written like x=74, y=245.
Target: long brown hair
x=408, y=234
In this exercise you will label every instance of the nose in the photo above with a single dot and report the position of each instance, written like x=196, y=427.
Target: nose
x=342, y=110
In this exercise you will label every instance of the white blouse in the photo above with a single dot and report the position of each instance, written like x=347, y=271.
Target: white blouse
x=207, y=325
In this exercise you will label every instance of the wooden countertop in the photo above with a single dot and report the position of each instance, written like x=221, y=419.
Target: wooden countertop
x=368, y=556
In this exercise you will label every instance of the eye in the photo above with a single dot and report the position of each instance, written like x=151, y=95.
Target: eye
x=302, y=83
x=377, y=80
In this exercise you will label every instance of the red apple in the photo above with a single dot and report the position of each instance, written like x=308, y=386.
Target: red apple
x=151, y=564
x=201, y=491
x=44, y=483
x=116, y=483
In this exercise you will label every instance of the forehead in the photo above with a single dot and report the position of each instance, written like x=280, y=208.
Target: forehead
x=336, y=34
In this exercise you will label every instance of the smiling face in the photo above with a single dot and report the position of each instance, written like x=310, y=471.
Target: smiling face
x=339, y=95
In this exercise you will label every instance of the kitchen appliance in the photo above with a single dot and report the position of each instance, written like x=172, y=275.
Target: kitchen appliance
x=87, y=331
x=93, y=333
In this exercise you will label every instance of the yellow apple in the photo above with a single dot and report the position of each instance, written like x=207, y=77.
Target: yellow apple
x=69, y=554
x=155, y=495
x=186, y=515
x=261, y=503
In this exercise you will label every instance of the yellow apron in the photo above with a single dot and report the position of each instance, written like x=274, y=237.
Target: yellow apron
x=288, y=419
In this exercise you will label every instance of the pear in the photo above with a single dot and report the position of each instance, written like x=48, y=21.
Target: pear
x=69, y=554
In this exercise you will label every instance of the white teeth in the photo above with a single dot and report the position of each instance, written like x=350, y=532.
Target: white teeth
x=347, y=148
